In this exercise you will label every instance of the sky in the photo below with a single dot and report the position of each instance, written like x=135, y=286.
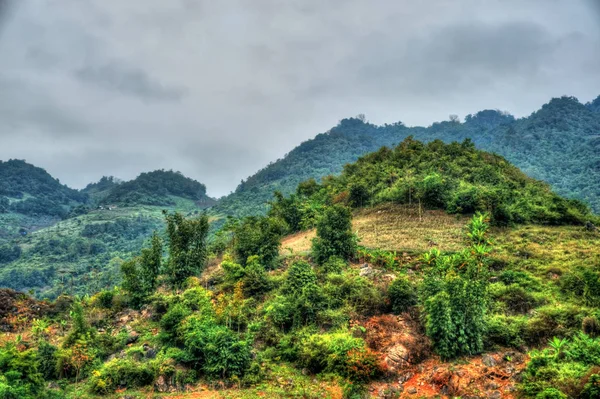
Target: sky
x=218, y=89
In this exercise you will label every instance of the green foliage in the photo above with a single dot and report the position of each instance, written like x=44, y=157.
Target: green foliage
x=551, y=393
x=458, y=178
x=256, y=280
x=140, y=275
x=402, y=295
x=556, y=144
x=34, y=191
x=216, y=349
x=171, y=321
x=565, y=369
x=155, y=188
x=258, y=236
x=121, y=373
x=187, y=247
x=334, y=235
x=455, y=297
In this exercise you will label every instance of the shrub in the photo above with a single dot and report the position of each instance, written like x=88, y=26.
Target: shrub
x=402, y=295
x=198, y=300
x=171, y=321
x=334, y=235
x=591, y=390
x=256, y=280
x=551, y=393
x=505, y=331
x=121, y=373
x=216, y=349
x=299, y=275
x=328, y=352
x=335, y=264
x=591, y=326
x=516, y=298
x=260, y=236
x=358, y=293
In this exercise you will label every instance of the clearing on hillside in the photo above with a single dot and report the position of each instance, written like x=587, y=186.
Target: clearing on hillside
x=395, y=227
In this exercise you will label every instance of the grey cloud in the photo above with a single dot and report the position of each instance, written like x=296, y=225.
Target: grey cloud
x=130, y=81
x=23, y=106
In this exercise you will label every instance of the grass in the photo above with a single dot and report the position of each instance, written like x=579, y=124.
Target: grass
x=395, y=227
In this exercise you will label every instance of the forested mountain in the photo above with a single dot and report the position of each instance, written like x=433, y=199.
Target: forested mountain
x=155, y=188
x=30, y=190
x=70, y=241
x=558, y=144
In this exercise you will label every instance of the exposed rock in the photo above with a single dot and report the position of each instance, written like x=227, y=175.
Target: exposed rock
x=488, y=360
x=368, y=271
x=397, y=357
x=495, y=395
x=412, y=390
x=132, y=338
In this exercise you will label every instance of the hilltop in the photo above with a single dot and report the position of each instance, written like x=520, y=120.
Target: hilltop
x=155, y=188
x=557, y=144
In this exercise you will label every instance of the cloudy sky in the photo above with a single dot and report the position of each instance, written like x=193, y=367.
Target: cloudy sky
x=218, y=89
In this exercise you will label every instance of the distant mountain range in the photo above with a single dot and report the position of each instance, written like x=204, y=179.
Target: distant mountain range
x=560, y=144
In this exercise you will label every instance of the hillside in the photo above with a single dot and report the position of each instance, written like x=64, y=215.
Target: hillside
x=557, y=144
x=155, y=188
x=79, y=252
x=434, y=302
x=30, y=199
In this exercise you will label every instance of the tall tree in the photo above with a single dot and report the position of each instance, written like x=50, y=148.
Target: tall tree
x=334, y=235
x=187, y=246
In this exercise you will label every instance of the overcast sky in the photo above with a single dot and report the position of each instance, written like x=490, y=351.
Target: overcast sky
x=219, y=88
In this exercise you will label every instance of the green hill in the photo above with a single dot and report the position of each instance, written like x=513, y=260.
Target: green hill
x=558, y=144
x=30, y=198
x=79, y=251
x=156, y=188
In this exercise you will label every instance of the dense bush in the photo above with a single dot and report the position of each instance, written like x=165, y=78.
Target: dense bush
x=402, y=294
x=455, y=297
x=218, y=351
x=258, y=236
x=334, y=235
x=121, y=373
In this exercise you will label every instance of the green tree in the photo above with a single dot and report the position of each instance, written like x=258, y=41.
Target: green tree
x=455, y=296
x=260, y=236
x=187, y=247
x=150, y=264
x=334, y=235
x=140, y=274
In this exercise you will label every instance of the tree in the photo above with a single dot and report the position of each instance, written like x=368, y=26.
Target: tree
x=140, y=274
x=187, y=246
x=258, y=236
x=150, y=263
x=334, y=235
x=455, y=295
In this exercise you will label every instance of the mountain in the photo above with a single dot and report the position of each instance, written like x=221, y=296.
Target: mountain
x=158, y=188
x=71, y=241
x=31, y=199
x=558, y=144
